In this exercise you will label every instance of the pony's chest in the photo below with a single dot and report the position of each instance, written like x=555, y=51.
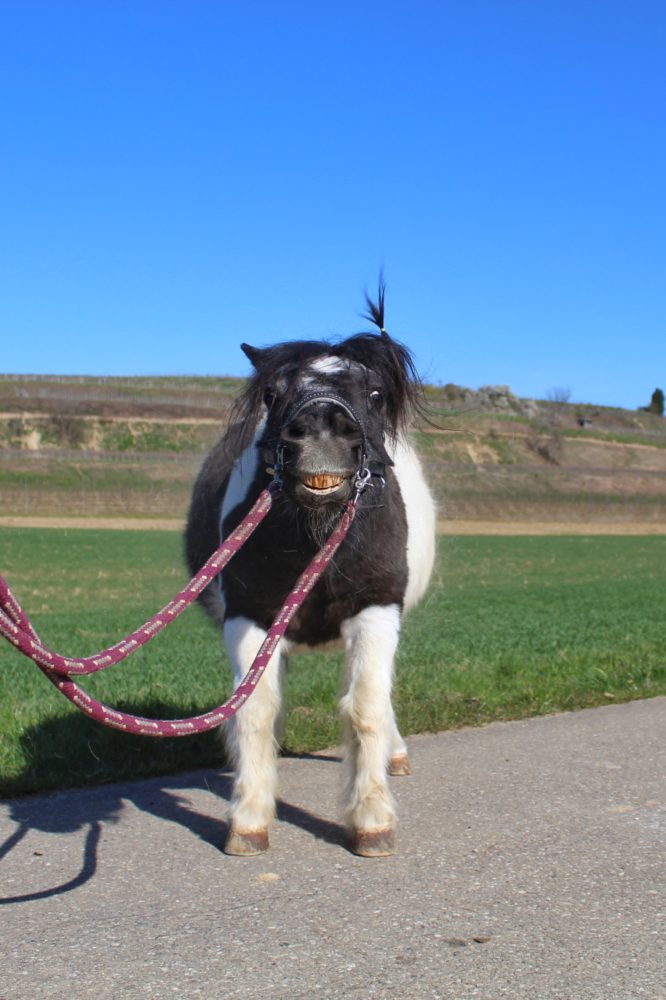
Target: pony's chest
x=258, y=582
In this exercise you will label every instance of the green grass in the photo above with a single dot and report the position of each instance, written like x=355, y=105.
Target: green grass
x=526, y=626
x=511, y=627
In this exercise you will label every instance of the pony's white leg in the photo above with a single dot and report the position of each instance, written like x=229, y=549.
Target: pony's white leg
x=371, y=639
x=250, y=737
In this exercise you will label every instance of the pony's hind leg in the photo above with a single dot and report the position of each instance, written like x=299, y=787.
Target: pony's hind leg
x=398, y=762
x=250, y=737
x=371, y=639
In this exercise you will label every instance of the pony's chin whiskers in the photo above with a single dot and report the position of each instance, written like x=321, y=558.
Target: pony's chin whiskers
x=319, y=521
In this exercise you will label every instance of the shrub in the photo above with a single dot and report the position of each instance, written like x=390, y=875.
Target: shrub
x=656, y=404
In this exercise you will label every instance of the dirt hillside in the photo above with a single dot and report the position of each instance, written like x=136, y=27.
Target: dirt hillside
x=128, y=449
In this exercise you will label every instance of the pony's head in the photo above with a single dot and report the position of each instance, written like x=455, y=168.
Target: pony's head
x=330, y=411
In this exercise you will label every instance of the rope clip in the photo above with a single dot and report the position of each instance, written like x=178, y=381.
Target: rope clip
x=363, y=477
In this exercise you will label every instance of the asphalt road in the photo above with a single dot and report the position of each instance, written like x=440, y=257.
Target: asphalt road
x=531, y=864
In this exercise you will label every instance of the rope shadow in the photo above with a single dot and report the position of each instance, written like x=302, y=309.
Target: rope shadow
x=48, y=748
x=88, y=869
x=63, y=814
x=90, y=808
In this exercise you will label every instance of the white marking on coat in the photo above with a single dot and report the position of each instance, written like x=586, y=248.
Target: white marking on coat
x=421, y=519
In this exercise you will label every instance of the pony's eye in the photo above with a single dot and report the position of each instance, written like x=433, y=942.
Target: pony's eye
x=269, y=397
x=376, y=396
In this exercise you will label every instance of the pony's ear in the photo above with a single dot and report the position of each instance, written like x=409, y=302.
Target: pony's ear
x=255, y=354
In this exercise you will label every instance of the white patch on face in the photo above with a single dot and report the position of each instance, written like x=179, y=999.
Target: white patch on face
x=317, y=371
x=328, y=366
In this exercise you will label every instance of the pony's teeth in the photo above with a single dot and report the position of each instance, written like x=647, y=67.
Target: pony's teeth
x=322, y=481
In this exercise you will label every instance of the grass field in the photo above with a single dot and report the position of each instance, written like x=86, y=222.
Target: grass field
x=511, y=627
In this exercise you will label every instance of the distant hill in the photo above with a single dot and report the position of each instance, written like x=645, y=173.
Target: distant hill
x=89, y=446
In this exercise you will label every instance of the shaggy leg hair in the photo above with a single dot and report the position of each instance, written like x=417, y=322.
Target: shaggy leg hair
x=250, y=737
x=371, y=639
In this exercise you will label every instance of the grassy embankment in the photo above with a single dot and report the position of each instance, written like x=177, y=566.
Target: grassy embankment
x=131, y=447
x=511, y=627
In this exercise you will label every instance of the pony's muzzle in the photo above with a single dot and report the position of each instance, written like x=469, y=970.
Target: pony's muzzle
x=322, y=448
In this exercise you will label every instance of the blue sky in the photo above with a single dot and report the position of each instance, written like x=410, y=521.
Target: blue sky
x=177, y=177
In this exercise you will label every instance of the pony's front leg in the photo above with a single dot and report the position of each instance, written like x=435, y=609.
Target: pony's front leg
x=250, y=737
x=371, y=639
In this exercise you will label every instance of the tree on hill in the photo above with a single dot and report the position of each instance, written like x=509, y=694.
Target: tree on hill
x=656, y=403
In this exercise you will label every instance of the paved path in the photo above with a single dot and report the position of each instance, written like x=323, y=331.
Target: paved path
x=531, y=865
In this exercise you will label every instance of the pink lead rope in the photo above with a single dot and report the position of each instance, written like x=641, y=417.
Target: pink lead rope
x=17, y=629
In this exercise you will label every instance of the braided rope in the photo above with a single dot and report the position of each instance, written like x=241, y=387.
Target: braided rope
x=16, y=627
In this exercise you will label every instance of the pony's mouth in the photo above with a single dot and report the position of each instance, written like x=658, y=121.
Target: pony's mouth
x=322, y=483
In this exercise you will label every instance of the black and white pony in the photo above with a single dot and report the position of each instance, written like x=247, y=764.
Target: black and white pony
x=321, y=414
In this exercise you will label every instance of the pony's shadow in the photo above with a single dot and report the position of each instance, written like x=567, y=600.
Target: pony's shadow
x=89, y=809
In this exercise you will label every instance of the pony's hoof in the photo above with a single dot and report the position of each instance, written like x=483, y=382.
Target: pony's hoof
x=399, y=765
x=246, y=844
x=373, y=843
